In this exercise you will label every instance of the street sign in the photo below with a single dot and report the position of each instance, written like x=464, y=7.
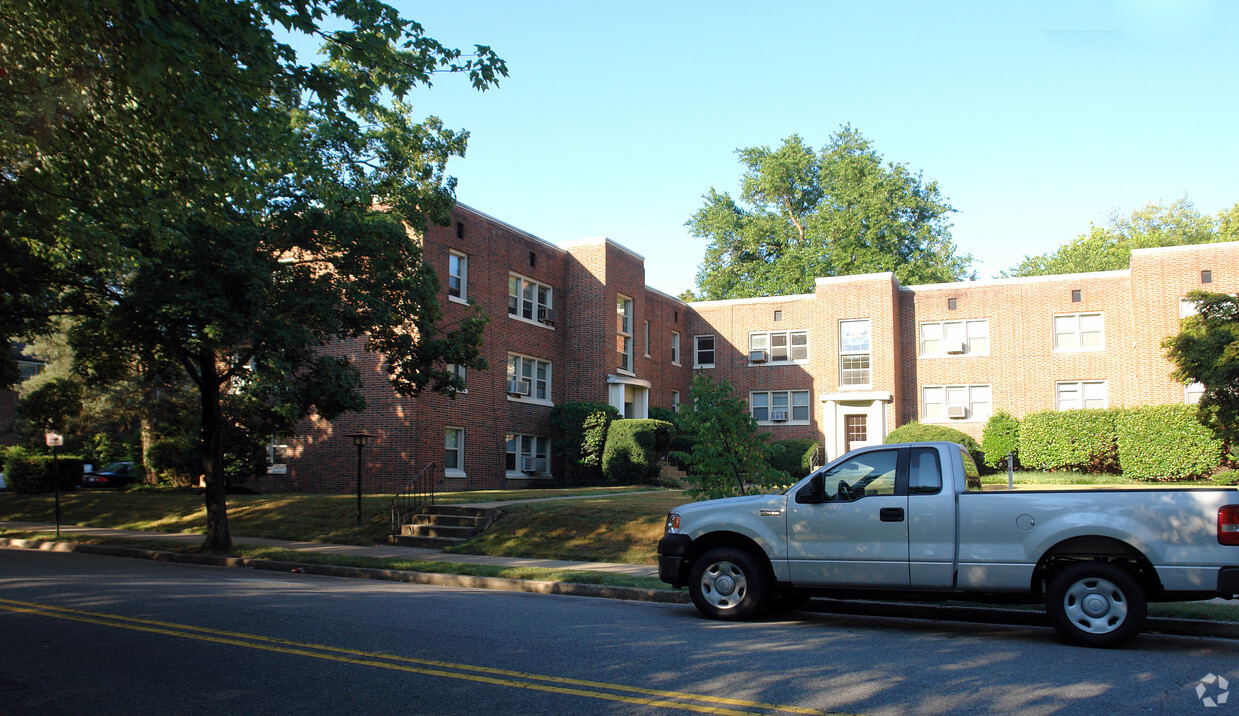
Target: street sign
x=54, y=439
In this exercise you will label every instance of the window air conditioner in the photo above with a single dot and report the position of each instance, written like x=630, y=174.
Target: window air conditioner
x=953, y=347
x=957, y=411
x=547, y=315
x=758, y=356
x=518, y=387
x=778, y=416
x=529, y=465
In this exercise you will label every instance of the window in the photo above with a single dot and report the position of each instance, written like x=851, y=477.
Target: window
x=534, y=374
x=924, y=472
x=945, y=338
x=703, y=349
x=528, y=299
x=675, y=400
x=780, y=406
x=675, y=348
x=780, y=346
x=854, y=353
x=952, y=304
x=277, y=456
x=1193, y=392
x=1089, y=394
x=29, y=369
x=623, y=330
x=1079, y=332
x=778, y=315
x=458, y=276
x=1187, y=308
x=957, y=402
x=527, y=456
x=647, y=339
x=1076, y=295
x=869, y=474
x=454, y=453
x=1206, y=276
x=459, y=372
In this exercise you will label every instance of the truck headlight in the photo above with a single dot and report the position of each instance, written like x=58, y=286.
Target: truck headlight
x=673, y=524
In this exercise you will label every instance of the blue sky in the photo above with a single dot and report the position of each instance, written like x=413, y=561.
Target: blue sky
x=1035, y=119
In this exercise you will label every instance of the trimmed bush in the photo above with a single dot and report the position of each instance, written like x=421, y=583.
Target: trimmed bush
x=31, y=474
x=632, y=450
x=1001, y=437
x=1165, y=442
x=915, y=432
x=581, y=431
x=1227, y=478
x=795, y=457
x=664, y=414
x=1080, y=440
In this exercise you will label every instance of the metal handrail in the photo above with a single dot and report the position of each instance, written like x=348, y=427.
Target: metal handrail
x=419, y=492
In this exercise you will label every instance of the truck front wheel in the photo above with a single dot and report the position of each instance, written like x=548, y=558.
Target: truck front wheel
x=727, y=583
x=1095, y=604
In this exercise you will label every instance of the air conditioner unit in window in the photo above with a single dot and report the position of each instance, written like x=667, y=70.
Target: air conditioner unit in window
x=531, y=465
x=518, y=387
x=758, y=356
x=547, y=315
x=778, y=416
x=957, y=411
x=953, y=348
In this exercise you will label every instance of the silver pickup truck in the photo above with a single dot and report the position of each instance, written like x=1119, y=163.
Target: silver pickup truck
x=911, y=518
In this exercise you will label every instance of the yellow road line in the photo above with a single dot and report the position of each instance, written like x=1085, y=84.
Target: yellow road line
x=480, y=674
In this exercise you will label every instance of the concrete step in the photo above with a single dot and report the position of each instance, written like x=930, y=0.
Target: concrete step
x=425, y=542
x=432, y=530
x=439, y=526
x=458, y=510
x=449, y=520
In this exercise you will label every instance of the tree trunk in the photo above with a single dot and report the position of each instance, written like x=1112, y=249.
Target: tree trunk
x=147, y=430
x=217, y=537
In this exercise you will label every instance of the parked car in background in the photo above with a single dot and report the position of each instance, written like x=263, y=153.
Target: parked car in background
x=117, y=474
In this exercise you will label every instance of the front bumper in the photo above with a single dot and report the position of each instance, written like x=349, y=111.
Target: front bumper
x=671, y=551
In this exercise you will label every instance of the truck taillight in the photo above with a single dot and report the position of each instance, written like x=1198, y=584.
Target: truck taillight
x=1228, y=525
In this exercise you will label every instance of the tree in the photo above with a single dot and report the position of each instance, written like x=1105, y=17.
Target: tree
x=196, y=195
x=1108, y=248
x=729, y=457
x=804, y=215
x=1206, y=351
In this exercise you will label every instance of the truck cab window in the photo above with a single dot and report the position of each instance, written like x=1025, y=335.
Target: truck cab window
x=871, y=473
x=924, y=472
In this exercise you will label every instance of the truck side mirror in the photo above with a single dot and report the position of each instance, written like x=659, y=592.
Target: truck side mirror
x=813, y=493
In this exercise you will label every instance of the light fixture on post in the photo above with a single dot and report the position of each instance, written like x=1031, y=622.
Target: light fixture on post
x=360, y=440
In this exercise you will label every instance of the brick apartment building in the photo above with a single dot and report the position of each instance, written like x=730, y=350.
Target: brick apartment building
x=845, y=364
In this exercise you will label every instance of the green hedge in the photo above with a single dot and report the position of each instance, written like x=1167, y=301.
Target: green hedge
x=1165, y=442
x=795, y=457
x=915, y=432
x=1079, y=440
x=1227, y=478
x=31, y=474
x=632, y=450
x=1001, y=437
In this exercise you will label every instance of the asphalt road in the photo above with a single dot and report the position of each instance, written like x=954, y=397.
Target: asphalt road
x=102, y=635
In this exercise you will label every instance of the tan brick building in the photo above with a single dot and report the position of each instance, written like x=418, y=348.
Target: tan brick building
x=844, y=365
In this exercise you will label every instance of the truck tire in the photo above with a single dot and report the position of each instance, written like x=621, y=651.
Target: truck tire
x=727, y=583
x=1095, y=604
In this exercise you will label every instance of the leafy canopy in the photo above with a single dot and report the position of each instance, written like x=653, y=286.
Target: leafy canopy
x=804, y=214
x=1206, y=351
x=1108, y=248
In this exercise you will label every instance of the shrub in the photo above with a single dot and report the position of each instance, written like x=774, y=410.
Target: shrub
x=31, y=474
x=580, y=431
x=1227, y=478
x=1001, y=437
x=1165, y=442
x=1081, y=440
x=664, y=414
x=176, y=459
x=632, y=450
x=795, y=457
x=915, y=432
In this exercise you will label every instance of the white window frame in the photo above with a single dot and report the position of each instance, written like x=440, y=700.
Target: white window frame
x=851, y=352
x=764, y=341
x=969, y=332
x=459, y=470
x=675, y=401
x=462, y=277
x=277, y=455
x=792, y=401
x=516, y=371
x=537, y=441
x=968, y=395
x=459, y=370
x=697, y=350
x=647, y=339
x=1193, y=392
x=543, y=296
x=1078, y=333
x=28, y=369
x=623, y=330
x=675, y=348
x=1080, y=388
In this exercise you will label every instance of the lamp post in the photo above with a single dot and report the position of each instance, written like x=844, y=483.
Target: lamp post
x=360, y=440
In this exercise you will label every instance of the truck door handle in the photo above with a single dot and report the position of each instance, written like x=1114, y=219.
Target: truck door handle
x=891, y=514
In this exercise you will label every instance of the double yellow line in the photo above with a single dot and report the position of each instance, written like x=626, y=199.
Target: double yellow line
x=428, y=667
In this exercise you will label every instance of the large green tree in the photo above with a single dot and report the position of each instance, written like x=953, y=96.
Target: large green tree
x=804, y=214
x=1109, y=247
x=1206, y=351
x=196, y=194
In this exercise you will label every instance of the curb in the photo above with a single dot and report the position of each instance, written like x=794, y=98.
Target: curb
x=898, y=610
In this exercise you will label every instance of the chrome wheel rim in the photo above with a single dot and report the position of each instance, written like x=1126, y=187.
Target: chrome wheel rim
x=1095, y=605
x=724, y=585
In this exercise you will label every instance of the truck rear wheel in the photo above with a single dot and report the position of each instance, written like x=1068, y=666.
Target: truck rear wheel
x=727, y=583
x=1095, y=604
